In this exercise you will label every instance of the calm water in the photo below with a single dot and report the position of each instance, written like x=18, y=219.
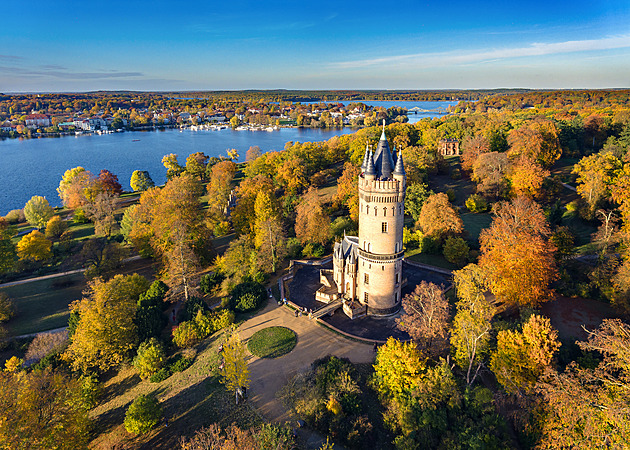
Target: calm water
x=35, y=166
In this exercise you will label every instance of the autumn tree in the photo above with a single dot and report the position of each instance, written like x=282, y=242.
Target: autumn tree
x=252, y=153
x=595, y=176
x=516, y=254
x=38, y=211
x=243, y=214
x=270, y=238
x=141, y=180
x=101, y=212
x=101, y=257
x=34, y=247
x=219, y=189
x=312, y=224
x=173, y=168
x=438, y=218
x=42, y=409
x=397, y=368
x=589, y=407
x=538, y=140
x=489, y=172
x=472, y=147
x=77, y=187
x=179, y=233
x=106, y=333
x=235, y=373
x=470, y=333
x=522, y=357
x=196, y=165
x=347, y=194
x=526, y=177
x=426, y=316
x=55, y=227
x=109, y=183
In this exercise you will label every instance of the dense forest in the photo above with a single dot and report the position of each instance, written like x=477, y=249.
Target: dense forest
x=535, y=211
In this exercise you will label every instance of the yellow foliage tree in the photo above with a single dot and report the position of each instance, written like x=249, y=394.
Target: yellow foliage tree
x=522, y=357
x=398, y=368
x=438, y=218
x=235, y=373
x=34, y=247
x=106, y=333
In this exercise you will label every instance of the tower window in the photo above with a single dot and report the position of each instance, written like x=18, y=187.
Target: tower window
x=366, y=278
x=365, y=297
x=375, y=211
x=384, y=212
x=384, y=227
x=367, y=208
x=397, y=275
x=395, y=297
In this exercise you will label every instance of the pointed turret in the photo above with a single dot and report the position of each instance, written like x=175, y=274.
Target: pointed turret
x=352, y=258
x=383, y=158
x=370, y=171
x=365, y=158
x=400, y=166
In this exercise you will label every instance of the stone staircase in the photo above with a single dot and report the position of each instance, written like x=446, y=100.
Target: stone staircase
x=328, y=309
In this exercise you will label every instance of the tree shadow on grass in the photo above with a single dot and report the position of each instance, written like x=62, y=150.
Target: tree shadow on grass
x=198, y=406
x=113, y=390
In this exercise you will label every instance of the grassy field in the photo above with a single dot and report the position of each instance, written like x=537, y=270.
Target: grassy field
x=474, y=223
x=43, y=305
x=190, y=400
x=432, y=260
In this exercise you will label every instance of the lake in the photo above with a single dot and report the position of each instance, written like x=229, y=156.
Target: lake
x=35, y=166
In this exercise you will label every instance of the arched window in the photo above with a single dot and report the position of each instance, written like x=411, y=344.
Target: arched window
x=384, y=212
x=367, y=210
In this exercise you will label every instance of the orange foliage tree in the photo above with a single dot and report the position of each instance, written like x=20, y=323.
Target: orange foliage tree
x=517, y=255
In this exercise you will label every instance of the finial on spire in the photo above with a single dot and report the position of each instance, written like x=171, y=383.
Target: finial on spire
x=383, y=138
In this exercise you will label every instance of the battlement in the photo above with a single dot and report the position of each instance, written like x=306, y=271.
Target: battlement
x=380, y=186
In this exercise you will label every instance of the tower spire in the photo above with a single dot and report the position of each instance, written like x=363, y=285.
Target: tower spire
x=365, y=158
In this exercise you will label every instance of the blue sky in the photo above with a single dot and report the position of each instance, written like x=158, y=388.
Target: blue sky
x=140, y=45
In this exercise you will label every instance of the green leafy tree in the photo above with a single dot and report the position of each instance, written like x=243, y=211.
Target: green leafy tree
x=143, y=414
x=196, y=164
x=7, y=308
x=38, y=211
x=415, y=196
x=141, y=180
x=150, y=358
x=456, y=250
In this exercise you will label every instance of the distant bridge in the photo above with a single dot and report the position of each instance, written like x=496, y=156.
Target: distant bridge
x=417, y=110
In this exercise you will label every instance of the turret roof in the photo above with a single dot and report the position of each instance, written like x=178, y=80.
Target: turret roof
x=383, y=162
x=400, y=166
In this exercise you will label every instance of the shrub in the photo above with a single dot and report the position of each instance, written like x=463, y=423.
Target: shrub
x=428, y=245
x=210, y=281
x=143, y=414
x=160, y=375
x=181, y=364
x=456, y=250
x=476, y=204
x=189, y=311
x=294, y=248
x=55, y=227
x=45, y=344
x=313, y=250
x=90, y=391
x=154, y=296
x=186, y=334
x=247, y=296
x=222, y=319
x=451, y=195
x=150, y=358
x=79, y=216
x=15, y=216
x=7, y=308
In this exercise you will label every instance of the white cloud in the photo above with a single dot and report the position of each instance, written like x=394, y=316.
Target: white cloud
x=460, y=57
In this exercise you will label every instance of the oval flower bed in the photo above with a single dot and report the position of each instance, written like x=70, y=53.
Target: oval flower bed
x=272, y=342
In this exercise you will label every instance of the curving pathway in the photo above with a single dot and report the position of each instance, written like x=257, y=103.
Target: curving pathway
x=268, y=376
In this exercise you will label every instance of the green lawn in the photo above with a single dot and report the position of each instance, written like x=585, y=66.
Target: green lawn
x=474, y=223
x=272, y=342
x=432, y=260
x=43, y=305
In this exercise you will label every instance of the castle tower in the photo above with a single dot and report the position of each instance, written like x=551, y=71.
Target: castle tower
x=382, y=186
